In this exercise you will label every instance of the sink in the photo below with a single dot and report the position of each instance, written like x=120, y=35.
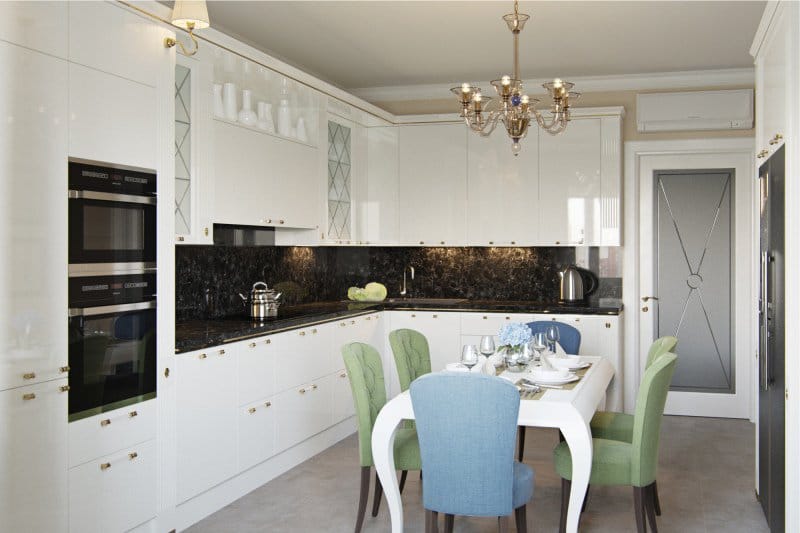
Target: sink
x=433, y=301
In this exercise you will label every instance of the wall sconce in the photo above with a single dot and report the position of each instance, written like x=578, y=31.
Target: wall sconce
x=189, y=15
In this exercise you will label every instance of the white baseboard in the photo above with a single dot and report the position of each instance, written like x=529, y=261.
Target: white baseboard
x=207, y=503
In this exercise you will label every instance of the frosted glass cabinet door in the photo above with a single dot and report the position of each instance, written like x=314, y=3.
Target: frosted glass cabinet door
x=570, y=184
x=503, y=190
x=433, y=186
x=33, y=203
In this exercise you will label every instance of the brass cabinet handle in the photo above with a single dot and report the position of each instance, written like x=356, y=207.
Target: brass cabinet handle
x=105, y=466
x=181, y=239
x=313, y=387
x=435, y=316
x=166, y=372
x=105, y=422
x=485, y=317
x=64, y=388
x=491, y=242
x=302, y=333
x=343, y=375
x=577, y=320
x=29, y=396
x=268, y=341
x=441, y=242
x=205, y=232
x=133, y=455
x=608, y=325
x=221, y=352
x=133, y=414
x=29, y=375
x=302, y=391
x=776, y=139
x=343, y=324
x=202, y=356
x=267, y=404
x=314, y=330
x=762, y=154
x=422, y=242
x=252, y=345
x=368, y=318
x=352, y=321
x=267, y=221
x=508, y=318
x=64, y=369
x=251, y=410
x=558, y=242
x=281, y=221
x=513, y=242
x=413, y=316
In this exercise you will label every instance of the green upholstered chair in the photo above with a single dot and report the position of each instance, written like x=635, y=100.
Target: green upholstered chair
x=631, y=463
x=411, y=355
x=619, y=426
x=365, y=371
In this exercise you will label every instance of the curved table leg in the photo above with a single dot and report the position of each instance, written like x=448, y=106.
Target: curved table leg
x=579, y=439
x=383, y=433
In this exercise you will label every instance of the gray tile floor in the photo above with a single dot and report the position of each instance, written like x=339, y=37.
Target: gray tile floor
x=705, y=482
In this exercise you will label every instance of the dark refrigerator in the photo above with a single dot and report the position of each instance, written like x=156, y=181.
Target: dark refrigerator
x=771, y=355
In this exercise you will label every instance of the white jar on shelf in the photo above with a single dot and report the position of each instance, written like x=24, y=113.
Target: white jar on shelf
x=247, y=116
x=284, y=118
x=265, y=121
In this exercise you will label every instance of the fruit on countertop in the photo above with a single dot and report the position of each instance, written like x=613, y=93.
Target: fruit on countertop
x=372, y=292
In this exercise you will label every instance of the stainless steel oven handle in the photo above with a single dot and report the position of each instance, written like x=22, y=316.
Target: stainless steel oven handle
x=111, y=197
x=108, y=309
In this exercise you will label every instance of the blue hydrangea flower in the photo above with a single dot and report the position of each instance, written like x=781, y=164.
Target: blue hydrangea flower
x=515, y=334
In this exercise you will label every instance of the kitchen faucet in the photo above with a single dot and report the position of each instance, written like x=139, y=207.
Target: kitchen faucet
x=404, y=290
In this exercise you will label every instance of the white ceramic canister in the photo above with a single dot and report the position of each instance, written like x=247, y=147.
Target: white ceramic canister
x=265, y=121
x=247, y=116
x=284, y=119
x=229, y=91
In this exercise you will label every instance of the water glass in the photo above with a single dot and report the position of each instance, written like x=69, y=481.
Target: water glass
x=539, y=343
x=487, y=345
x=469, y=355
x=553, y=336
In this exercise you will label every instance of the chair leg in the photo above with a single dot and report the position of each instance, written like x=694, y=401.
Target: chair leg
x=376, y=498
x=448, y=523
x=362, y=498
x=656, y=502
x=431, y=521
x=502, y=524
x=521, y=451
x=520, y=515
x=585, y=498
x=566, y=485
x=649, y=507
x=403, y=480
x=638, y=509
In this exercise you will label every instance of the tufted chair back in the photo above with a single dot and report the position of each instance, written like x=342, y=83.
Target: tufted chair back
x=411, y=355
x=364, y=368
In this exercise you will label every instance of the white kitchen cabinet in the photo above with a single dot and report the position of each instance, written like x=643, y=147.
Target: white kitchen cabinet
x=110, y=38
x=206, y=407
x=33, y=200
x=35, y=25
x=433, y=187
x=308, y=356
x=264, y=180
x=304, y=411
x=256, y=433
x=33, y=445
x=343, y=406
x=111, y=119
x=476, y=325
x=346, y=179
x=257, y=361
x=380, y=208
x=114, y=493
x=503, y=191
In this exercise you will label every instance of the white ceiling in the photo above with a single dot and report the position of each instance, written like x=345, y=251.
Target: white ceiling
x=390, y=43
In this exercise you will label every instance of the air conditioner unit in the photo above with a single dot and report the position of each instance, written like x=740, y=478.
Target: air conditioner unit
x=698, y=110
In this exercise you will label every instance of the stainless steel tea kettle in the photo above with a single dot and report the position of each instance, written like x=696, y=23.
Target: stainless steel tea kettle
x=263, y=302
x=572, y=284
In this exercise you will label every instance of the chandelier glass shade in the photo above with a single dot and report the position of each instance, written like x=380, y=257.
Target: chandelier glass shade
x=512, y=106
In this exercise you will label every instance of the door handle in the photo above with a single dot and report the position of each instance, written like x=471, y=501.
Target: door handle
x=647, y=298
x=764, y=366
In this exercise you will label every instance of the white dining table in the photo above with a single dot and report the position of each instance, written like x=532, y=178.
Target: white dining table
x=568, y=410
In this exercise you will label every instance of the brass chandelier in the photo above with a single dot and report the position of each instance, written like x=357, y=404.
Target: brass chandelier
x=514, y=108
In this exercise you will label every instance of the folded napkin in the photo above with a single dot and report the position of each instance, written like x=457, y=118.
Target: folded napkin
x=497, y=360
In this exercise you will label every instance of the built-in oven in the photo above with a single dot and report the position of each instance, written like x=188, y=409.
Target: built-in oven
x=112, y=218
x=112, y=342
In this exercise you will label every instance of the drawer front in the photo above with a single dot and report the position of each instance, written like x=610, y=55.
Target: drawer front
x=106, y=433
x=303, y=412
x=307, y=356
x=257, y=359
x=256, y=433
x=343, y=406
x=114, y=493
x=490, y=323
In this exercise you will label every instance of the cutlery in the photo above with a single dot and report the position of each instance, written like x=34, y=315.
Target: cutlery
x=529, y=383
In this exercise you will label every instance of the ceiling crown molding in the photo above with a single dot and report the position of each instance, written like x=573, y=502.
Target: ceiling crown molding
x=691, y=79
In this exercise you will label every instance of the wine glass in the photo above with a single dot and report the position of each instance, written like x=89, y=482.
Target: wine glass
x=469, y=355
x=487, y=345
x=553, y=336
x=539, y=343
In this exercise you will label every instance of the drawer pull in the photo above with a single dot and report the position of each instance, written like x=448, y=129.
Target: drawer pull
x=776, y=139
x=314, y=331
x=313, y=387
x=133, y=414
x=221, y=352
x=513, y=242
x=491, y=242
x=105, y=422
x=608, y=325
x=251, y=410
x=302, y=333
x=64, y=388
x=105, y=466
x=343, y=375
x=252, y=345
x=352, y=321
x=422, y=242
x=441, y=242
x=267, y=404
x=202, y=356
x=268, y=341
x=281, y=221
x=181, y=239
x=29, y=375
x=368, y=318
x=485, y=317
x=133, y=455
x=762, y=154
x=342, y=324
x=302, y=391
x=435, y=316
x=508, y=318
x=413, y=316
x=64, y=369
x=577, y=320
x=29, y=396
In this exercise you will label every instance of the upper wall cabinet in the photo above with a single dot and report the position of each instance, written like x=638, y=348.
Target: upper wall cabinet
x=580, y=184
x=433, y=186
x=503, y=190
x=110, y=38
x=380, y=208
x=35, y=25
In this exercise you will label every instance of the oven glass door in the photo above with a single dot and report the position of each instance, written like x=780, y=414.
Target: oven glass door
x=112, y=359
x=111, y=231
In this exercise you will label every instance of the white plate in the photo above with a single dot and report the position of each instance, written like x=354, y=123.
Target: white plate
x=571, y=363
x=554, y=380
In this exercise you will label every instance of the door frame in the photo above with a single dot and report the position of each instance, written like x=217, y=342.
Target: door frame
x=641, y=158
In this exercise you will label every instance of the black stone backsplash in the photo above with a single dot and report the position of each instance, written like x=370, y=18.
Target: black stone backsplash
x=209, y=278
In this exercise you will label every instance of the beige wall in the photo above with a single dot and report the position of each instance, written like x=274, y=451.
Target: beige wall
x=626, y=99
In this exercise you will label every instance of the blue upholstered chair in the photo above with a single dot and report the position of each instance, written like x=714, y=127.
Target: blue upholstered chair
x=570, y=340
x=466, y=425
x=569, y=337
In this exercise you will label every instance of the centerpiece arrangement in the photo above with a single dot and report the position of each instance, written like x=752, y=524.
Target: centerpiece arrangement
x=514, y=339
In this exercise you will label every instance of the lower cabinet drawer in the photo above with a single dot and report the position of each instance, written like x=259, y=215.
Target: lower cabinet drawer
x=114, y=493
x=106, y=433
x=303, y=412
x=343, y=406
x=256, y=433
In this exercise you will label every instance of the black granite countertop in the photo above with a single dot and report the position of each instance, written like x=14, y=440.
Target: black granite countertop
x=198, y=334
